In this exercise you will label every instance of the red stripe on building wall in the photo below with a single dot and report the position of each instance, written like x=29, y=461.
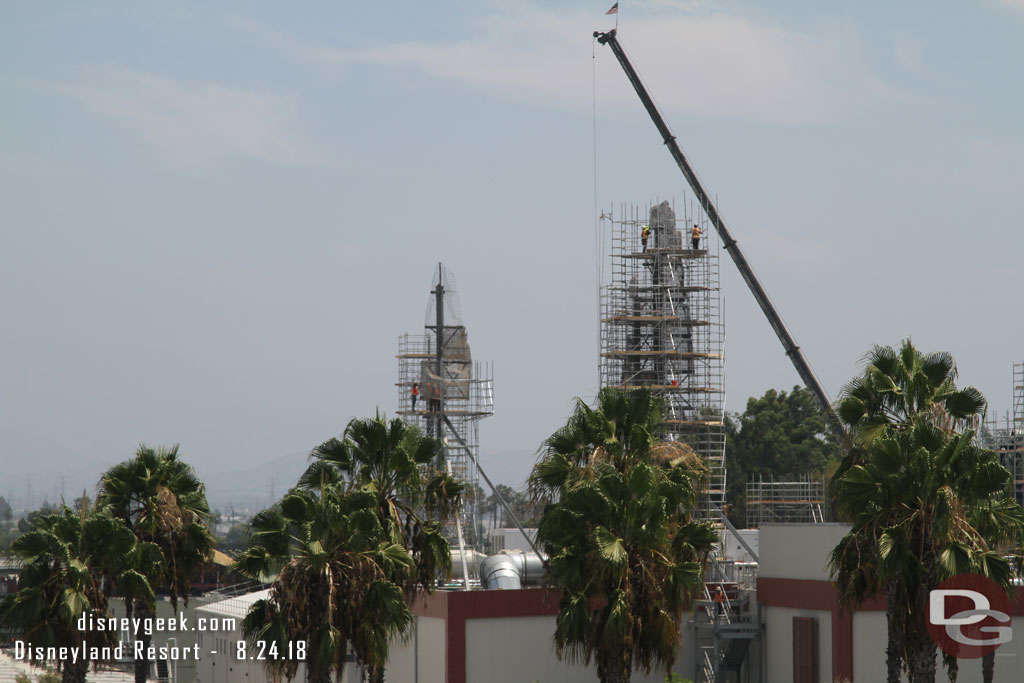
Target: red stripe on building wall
x=821, y=595
x=455, y=607
x=816, y=595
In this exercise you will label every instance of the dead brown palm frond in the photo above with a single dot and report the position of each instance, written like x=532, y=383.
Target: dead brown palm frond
x=170, y=515
x=677, y=454
x=941, y=418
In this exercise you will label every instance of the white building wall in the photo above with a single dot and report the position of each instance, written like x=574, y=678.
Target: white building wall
x=420, y=659
x=512, y=539
x=218, y=649
x=798, y=551
x=522, y=650
x=870, y=638
x=734, y=550
x=779, y=642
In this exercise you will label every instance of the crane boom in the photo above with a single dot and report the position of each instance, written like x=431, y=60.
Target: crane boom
x=803, y=368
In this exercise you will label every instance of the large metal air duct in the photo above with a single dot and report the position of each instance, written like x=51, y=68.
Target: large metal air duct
x=511, y=569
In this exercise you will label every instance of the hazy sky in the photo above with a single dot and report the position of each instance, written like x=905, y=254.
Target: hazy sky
x=216, y=221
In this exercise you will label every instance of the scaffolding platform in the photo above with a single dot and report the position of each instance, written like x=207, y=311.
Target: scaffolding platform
x=661, y=328
x=672, y=387
x=661, y=252
x=667, y=353
x=654, y=318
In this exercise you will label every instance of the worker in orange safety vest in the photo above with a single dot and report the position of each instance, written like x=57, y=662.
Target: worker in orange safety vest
x=719, y=599
x=415, y=392
x=695, y=233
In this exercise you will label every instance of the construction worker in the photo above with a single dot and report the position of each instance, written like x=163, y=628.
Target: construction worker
x=415, y=393
x=719, y=600
x=434, y=404
x=645, y=234
x=695, y=233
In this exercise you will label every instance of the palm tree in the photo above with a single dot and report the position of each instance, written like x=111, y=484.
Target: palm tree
x=69, y=557
x=164, y=504
x=332, y=564
x=925, y=502
x=898, y=385
x=404, y=471
x=623, y=546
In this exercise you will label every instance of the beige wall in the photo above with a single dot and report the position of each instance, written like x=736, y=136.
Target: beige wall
x=870, y=638
x=522, y=650
x=421, y=658
x=798, y=551
x=779, y=642
x=869, y=641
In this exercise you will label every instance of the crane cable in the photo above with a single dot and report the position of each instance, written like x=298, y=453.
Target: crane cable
x=598, y=221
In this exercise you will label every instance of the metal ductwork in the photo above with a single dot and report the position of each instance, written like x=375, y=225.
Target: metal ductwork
x=511, y=569
x=474, y=559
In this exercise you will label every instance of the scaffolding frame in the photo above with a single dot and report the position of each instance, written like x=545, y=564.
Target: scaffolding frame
x=661, y=328
x=1017, y=432
x=455, y=392
x=800, y=501
x=1006, y=436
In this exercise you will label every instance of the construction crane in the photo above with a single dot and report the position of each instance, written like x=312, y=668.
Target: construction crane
x=803, y=368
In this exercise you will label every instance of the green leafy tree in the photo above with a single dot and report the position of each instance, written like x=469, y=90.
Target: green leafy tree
x=498, y=514
x=623, y=545
x=779, y=436
x=67, y=557
x=25, y=523
x=5, y=510
x=83, y=502
x=162, y=501
x=237, y=538
x=333, y=566
x=925, y=501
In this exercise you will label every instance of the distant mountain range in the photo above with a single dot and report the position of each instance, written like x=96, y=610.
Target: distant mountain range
x=251, y=488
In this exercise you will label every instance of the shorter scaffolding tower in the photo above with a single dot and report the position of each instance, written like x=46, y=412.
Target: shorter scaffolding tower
x=785, y=502
x=453, y=393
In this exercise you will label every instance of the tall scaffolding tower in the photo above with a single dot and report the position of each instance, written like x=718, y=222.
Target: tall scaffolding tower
x=453, y=392
x=661, y=328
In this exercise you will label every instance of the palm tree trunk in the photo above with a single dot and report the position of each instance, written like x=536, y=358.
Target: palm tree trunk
x=614, y=671
x=376, y=674
x=143, y=611
x=74, y=672
x=313, y=676
x=894, y=622
x=988, y=667
x=618, y=676
x=921, y=656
